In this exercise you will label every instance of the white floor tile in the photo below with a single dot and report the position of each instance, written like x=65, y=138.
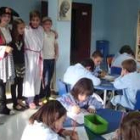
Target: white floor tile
x=11, y=127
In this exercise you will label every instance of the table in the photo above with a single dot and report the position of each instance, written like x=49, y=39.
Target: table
x=112, y=116
x=105, y=86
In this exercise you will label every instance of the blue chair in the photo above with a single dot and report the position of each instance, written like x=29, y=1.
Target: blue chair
x=63, y=87
x=116, y=70
x=137, y=105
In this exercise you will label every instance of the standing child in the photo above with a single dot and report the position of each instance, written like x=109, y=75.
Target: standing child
x=129, y=128
x=129, y=82
x=81, y=96
x=50, y=54
x=6, y=57
x=47, y=124
x=18, y=55
x=34, y=35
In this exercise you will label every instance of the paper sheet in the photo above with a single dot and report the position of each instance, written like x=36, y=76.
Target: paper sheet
x=108, y=136
x=109, y=78
x=79, y=118
x=82, y=134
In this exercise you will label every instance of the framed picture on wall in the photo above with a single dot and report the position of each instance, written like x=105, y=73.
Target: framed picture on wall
x=64, y=10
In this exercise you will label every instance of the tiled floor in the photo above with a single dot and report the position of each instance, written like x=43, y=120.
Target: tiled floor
x=11, y=127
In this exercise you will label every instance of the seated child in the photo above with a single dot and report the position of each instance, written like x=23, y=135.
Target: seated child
x=97, y=58
x=129, y=128
x=129, y=82
x=81, y=96
x=47, y=124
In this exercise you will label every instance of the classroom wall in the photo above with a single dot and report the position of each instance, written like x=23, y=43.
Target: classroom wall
x=121, y=23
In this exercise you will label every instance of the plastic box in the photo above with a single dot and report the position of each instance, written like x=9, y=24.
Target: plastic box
x=96, y=123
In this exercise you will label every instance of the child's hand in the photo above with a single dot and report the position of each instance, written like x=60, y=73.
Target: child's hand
x=91, y=110
x=102, y=74
x=9, y=49
x=74, y=136
x=117, y=135
x=76, y=109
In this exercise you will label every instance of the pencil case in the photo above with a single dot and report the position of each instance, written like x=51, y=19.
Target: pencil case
x=96, y=123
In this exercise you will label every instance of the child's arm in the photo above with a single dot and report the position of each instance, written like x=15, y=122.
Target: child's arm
x=120, y=82
x=68, y=103
x=56, y=49
x=94, y=104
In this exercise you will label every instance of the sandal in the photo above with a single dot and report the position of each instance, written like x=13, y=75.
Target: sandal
x=18, y=107
x=20, y=102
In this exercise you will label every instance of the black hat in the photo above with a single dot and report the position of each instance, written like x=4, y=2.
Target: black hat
x=7, y=10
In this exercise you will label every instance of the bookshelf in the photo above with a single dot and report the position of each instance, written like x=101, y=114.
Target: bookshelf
x=138, y=39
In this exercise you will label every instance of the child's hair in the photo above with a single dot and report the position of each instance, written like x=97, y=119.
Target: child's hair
x=130, y=65
x=49, y=113
x=96, y=54
x=126, y=49
x=83, y=86
x=45, y=19
x=15, y=35
x=88, y=63
x=130, y=126
x=35, y=14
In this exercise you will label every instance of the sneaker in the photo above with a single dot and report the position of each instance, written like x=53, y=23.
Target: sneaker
x=7, y=111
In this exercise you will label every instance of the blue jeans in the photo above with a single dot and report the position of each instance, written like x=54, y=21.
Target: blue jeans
x=48, y=70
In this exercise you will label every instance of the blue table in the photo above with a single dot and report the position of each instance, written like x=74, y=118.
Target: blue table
x=105, y=86
x=113, y=117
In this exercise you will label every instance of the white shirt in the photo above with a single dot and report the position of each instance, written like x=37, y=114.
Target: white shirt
x=39, y=131
x=117, y=61
x=76, y=72
x=49, y=45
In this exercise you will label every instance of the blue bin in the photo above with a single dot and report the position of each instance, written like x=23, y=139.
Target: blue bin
x=103, y=47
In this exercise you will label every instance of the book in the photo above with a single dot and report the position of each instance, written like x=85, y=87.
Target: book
x=82, y=134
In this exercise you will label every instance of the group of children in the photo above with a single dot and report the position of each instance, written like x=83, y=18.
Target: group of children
x=22, y=62
x=23, y=53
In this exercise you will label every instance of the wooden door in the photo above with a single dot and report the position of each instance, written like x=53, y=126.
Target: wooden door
x=80, y=32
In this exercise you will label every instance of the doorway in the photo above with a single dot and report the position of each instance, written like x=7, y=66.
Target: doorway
x=80, y=32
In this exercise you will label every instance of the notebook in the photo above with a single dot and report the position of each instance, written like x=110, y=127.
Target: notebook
x=82, y=134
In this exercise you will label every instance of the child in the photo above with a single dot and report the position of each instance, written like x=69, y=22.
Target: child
x=18, y=55
x=47, y=124
x=129, y=83
x=7, y=72
x=50, y=54
x=34, y=35
x=97, y=58
x=129, y=128
x=81, y=96
x=125, y=53
x=81, y=70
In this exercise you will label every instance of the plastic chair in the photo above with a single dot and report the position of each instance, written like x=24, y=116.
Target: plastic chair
x=116, y=70
x=63, y=87
x=137, y=105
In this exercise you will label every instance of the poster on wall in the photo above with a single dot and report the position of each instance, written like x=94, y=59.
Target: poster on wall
x=64, y=10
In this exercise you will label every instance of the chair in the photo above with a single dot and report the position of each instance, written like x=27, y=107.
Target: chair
x=116, y=70
x=63, y=87
x=137, y=105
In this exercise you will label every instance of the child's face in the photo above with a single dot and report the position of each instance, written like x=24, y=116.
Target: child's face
x=35, y=22
x=59, y=123
x=21, y=28
x=5, y=19
x=47, y=25
x=82, y=97
x=97, y=61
